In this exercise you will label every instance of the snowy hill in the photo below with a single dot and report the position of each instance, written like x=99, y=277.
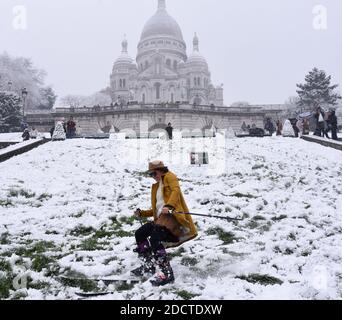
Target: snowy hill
x=66, y=207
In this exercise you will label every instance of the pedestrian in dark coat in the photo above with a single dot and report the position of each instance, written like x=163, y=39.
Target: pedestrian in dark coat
x=279, y=128
x=332, y=122
x=327, y=126
x=320, y=127
x=244, y=127
x=269, y=126
x=52, y=130
x=71, y=128
x=169, y=131
x=26, y=135
x=306, y=127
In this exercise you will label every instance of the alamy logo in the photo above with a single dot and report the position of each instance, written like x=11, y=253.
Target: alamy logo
x=211, y=142
x=320, y=20
x=19, y=18
x=319, y=278
x=20, y=281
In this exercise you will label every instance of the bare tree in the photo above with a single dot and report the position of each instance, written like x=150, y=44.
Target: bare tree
x=76, y=101
x=240, y=104
x=73, y=101
x=18, y=73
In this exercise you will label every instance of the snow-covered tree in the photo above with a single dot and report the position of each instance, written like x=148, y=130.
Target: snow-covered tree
x=48, y=98
x=59, y=132
x=98, y=98
x=17, y=73
x=317, y=91
x=10, y=112
x=240, y=104
x=291, y=108
x=73, y=101
x=292, y=102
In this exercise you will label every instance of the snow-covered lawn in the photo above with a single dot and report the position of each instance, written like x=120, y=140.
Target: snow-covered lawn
x=66, y=207
x=11, y=137
x=18, y=145
x=17, y=136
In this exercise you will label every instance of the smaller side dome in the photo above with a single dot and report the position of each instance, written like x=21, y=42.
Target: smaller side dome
x=196, y=59
x=124, y=58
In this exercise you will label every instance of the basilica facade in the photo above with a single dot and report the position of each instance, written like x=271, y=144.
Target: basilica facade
x=162, y=71
x=162, y=85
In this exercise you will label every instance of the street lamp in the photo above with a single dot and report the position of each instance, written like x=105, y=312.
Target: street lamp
x=24, y=94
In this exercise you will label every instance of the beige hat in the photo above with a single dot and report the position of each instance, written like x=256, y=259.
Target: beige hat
x=155, y=165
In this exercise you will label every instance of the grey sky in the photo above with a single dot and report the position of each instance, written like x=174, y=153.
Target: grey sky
x=259, y=49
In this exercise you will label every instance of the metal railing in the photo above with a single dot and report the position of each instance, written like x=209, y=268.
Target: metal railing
x=166, y=106
x=28, y=112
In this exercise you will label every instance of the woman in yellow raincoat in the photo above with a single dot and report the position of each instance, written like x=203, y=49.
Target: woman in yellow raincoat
x=172, y=226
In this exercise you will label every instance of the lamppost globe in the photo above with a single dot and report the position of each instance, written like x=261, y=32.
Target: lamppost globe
x=24, y=92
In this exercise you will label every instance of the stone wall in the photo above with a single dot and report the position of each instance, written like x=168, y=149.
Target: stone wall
x=42, y=121
x=143, y=118
x=149, y=117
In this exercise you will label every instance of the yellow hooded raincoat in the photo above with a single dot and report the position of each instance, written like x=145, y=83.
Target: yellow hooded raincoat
x=181, y=225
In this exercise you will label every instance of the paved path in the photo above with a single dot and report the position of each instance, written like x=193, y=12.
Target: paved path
x=324, y=142
x=20, y=148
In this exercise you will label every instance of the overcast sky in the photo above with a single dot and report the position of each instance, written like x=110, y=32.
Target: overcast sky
x=259, y=49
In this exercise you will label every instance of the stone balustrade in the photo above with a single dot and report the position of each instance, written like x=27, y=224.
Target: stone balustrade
x=102, y=119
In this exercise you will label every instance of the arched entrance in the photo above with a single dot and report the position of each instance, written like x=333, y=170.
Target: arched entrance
x=209, y=131
x=144, y=97
x=197, y=101
x=157, y=130
x=109, y=129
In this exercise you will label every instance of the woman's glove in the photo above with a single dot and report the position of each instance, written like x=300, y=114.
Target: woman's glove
x=137, y=213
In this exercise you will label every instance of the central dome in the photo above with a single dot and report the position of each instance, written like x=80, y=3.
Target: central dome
x=162, y=24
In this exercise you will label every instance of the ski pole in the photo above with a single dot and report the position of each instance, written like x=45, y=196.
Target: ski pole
x=209, y=216
x=140, y=220
x=139, y=217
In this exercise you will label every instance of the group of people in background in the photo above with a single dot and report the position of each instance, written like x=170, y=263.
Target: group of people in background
x=326, y=122
x=61, y=131
x=69, y=129
x=294, y=127
x=269, y=127
x=301, y=127
x=246, y=128
x=30, y=134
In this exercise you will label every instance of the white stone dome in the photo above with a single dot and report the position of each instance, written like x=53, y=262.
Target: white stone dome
x=124, y=58
x=196, y=59
x=162, y=24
